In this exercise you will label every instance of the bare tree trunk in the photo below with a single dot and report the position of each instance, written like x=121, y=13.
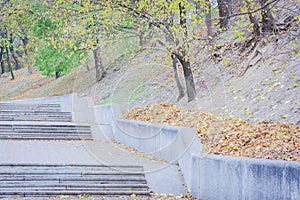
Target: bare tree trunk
x=25, y=43
x=9, y=65
x=1, y=60
x=57, y=75
x=253, y=19
x=267, y=24
x=208, y=19
x=176, y=76
x=268, y=21
x=256, y=28
x=184, y=59
x=225, y=9
x=188, y=75
x=12, y=51
x=169, y=23
x=100, y=73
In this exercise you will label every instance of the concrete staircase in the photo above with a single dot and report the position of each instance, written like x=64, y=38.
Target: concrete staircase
x=50, y=180
x=39, y=122
x=31, y=123
x=33, y=112
x=42, y=122
x=45, y=132
x=30, y=107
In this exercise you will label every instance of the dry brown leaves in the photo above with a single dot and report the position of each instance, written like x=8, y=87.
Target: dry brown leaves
x=229, y=136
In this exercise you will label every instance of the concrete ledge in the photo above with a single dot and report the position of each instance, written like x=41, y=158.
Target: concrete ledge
x=206, y=176
x=146, y=137
x=174, y=144
x=226, y=177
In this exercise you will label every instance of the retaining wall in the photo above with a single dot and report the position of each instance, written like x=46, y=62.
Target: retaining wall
x=235, y=178
x=206, y=176
x=174, y=144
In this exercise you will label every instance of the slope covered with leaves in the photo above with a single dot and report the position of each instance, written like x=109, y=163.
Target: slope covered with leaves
x=228, y=136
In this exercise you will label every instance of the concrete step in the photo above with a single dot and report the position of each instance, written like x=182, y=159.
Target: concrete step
x=34, y=115
x=52, y=180
x=40, y=184
x=33, y=112
x=39, y=137
x=36, y=118
x=52, y=127
x=70, y=193
x=36, y=107
x=11, y=167
x=45, y=132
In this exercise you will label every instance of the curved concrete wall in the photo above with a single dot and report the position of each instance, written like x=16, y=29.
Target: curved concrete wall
x=174, y=144
x=206, y=176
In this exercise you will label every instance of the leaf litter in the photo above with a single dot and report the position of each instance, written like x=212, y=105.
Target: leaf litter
x=228, y=136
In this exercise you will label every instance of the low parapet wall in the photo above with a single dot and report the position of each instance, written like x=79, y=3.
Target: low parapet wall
x=171, y=143
x=206, y=176
x=235, y=178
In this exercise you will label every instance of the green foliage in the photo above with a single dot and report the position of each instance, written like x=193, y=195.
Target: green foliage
x=44, y=27
x=50, y=60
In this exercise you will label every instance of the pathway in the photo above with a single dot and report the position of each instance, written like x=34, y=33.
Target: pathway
x=43, y=153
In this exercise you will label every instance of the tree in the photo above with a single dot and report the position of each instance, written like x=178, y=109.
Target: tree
x=177, y=80
x=56, y=62
x=1, y=60
x=57, y=24
x=69, y=28
x=25, y=41
x=102, y=19
x=268, y=22
x=261, y=17
x=8, y=64
x=208, y=19
x=100, y=73
x=182, y=54
x=155, y=14
x=14, y=19
x=12, y=52
x=5, y=46
x=56, y=56
x=169, y=23
x=225, y=10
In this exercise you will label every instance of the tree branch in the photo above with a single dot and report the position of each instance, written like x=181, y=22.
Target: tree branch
x=247, y=13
